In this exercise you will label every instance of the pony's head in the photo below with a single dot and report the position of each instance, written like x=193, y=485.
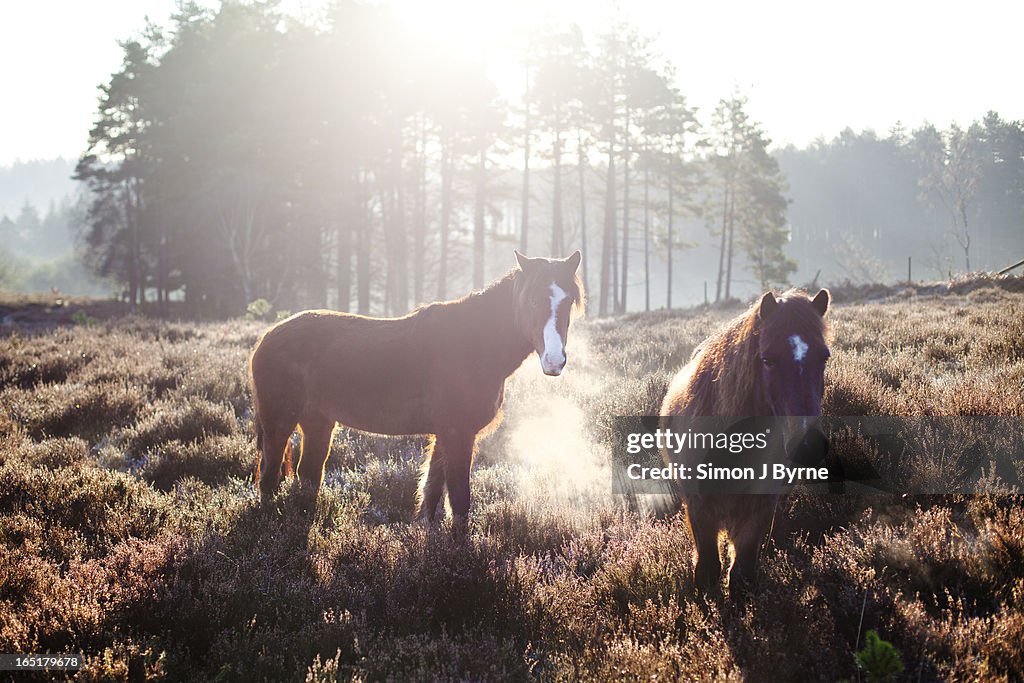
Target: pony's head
x=793, y=350
x=546, y=292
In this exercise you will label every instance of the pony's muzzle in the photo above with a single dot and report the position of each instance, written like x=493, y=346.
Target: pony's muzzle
x=553, y=365
x=805, y=442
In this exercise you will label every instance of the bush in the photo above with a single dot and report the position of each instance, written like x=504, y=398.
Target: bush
x=879, y=659
x=258, y=310
x=89, y=411
x=213, y=461
x=186, y=421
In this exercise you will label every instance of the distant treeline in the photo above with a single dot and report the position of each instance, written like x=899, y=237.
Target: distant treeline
x=38, y=253
x=954, y=199
x=37, y=182
x=239, y=155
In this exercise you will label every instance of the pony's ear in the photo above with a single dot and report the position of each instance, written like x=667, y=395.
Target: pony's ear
x=523, y=261
x=574, y=261
x=821, y=301
x=768, y=305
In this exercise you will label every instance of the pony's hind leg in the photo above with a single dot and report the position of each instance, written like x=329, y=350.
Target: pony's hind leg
x=432, y=482
x=316, y=445
x=458, y=460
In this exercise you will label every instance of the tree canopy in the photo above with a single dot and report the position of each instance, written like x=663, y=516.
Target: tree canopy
x=238, y=154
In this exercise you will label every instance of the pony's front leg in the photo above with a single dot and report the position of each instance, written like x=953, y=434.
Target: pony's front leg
x=748, y=536
x=458, y=459
x=707, y=570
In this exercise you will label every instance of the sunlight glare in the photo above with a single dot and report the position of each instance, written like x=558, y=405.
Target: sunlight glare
x=461, y=25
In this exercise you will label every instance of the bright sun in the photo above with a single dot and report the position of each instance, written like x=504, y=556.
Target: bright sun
x=498, y=32
x=462, y=25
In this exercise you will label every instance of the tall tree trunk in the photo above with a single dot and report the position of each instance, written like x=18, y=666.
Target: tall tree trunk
x=608, y=240
x=319, y=274
x=616, y=264
x=478, y=220
x=721, y=247
x=363, y=248
x=965, y=243
x=524, y=228
x=420, y=225
x=343, y=222
x=624, y=283
x=140, y=270
x=647, y=231
x=671, y=237
x=133, y=240
x=557, y=231
x=387, y=190
x=387, y=206
x=582, y=159
x=162, y=268
x=398, y=266
x=446, y=214
x=732, y=232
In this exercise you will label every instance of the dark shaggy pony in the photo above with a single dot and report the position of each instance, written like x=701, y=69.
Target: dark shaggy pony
x=770, y=361
x=438, y=371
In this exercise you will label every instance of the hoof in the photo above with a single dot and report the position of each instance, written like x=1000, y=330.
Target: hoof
x=460, y=525
x=266, y=493
x=428, y=522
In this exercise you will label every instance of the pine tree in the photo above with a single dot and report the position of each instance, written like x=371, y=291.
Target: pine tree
x=753, y=209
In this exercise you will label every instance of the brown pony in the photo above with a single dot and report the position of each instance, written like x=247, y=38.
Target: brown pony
x=770, y=361
x=439, y=370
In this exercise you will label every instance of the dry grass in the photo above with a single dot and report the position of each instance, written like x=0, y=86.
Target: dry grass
x=130, y=531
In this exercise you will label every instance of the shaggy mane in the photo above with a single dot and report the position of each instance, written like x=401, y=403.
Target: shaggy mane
x=725, y=377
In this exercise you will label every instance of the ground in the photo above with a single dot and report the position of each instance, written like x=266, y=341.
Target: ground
x=131, y=531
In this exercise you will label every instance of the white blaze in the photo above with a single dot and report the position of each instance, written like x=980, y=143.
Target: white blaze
x=554, y=346
x=799, y=348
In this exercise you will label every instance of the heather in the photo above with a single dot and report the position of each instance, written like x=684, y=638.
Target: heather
x=131, y=532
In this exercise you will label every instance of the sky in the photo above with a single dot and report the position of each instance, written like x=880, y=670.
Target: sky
x=809, y=69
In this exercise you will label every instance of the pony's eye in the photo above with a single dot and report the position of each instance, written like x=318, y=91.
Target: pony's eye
x=768, y=362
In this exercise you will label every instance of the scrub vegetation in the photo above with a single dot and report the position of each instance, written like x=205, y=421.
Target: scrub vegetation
x=130, y=530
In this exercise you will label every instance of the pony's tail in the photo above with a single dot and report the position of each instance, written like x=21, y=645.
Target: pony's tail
x=431, y=486
x=286, y=467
